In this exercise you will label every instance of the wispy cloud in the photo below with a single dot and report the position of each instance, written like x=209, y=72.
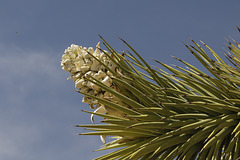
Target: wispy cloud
x=23, y=71
x=17, y=139
x=36, y=114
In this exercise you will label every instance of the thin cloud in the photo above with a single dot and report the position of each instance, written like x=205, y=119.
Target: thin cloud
x=36, y=113
x=23, y=71
x=16, y=139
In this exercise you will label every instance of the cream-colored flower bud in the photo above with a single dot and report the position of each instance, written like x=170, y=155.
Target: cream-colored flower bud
x=97, y=50
x=91, y=50
x=95, y=87
x=88, y=62
x=101, y=110
x=65, y=56
x=86, y=54
x=79, y=84
x=86, y=100
x=107, y=95
x=102, y=56
x=96, y=76
x=101, y=74
x=84, y=68
x=107, y=81
x=79, y=64
x=95, y=65
x=67, y=50
x=74, y=47
x=76, y=76
x=67, y=65
x=89, y=84
x=89, y=74
x=72, y=55
x=79, y=57
x=84, y=89
x=73, y=70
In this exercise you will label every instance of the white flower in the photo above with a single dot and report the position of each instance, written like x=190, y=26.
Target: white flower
x=97, y=51
x=65, y=56
x=79, y=83
x=84, y=89
x=95, y=65
x=101, y=74
x=79, y=62
x=96, y=87
x=85, y=69
x=91, y=50
x=107, y=81
x=107, y=95
x=76, y=76
x=87, y=100
x=67, y=65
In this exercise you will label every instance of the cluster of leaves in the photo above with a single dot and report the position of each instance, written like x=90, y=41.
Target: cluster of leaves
x=183, y=115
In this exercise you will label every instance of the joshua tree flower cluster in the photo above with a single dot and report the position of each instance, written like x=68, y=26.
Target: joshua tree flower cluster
x=87, y=65
x=78, y=61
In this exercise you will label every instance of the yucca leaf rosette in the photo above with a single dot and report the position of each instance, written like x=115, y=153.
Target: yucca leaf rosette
x=153, y=114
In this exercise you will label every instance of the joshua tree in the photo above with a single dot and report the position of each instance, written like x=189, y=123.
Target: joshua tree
x=153, y=114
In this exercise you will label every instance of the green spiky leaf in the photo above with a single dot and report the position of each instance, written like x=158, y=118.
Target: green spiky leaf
x=187, y=115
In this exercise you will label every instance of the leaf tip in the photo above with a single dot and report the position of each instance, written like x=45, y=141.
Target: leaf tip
x=238, y=28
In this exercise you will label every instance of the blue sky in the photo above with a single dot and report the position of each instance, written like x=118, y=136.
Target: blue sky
x=39, y=106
